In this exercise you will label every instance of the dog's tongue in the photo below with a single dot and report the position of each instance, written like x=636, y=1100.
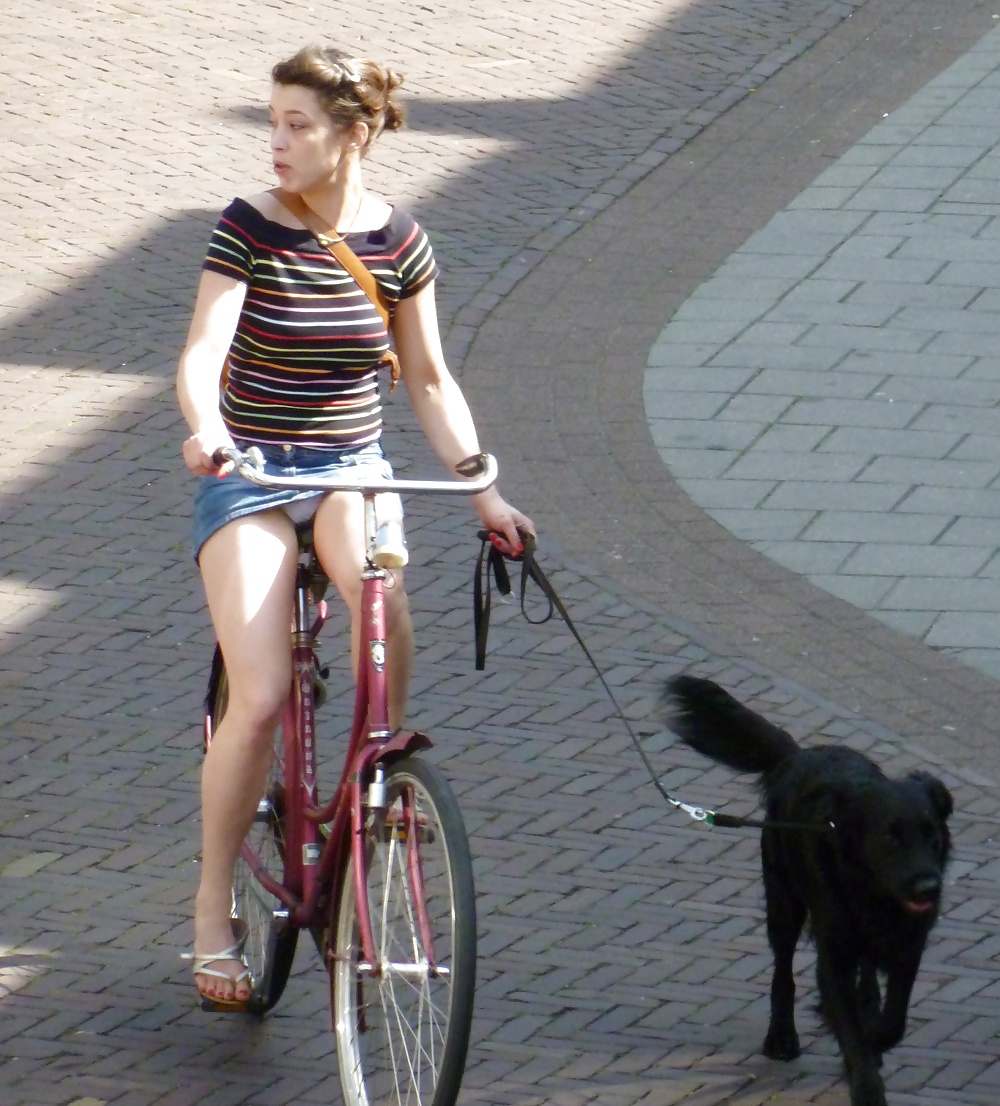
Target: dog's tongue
x=919, y=907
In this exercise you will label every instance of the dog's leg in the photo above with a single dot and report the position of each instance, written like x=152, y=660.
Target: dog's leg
x=869, y=995
x=786, y=916
x=889, y=1029
x=837, y=977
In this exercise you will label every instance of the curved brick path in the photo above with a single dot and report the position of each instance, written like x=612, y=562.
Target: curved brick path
x=583, y=173
x=829, y=394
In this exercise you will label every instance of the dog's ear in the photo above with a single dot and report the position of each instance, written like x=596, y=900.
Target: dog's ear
x=825, y=806
x=939, y=795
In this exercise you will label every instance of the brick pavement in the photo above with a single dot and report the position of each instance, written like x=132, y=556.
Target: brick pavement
x=623, y=955
x=829, y=395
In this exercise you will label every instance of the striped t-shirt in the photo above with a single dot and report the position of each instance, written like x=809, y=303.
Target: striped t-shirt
x=302, y=364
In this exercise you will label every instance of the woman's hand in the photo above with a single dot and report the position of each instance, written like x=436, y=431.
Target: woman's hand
x=503, y=521
x=198, y=451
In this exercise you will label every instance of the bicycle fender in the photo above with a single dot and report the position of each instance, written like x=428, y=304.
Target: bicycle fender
x=402, y=745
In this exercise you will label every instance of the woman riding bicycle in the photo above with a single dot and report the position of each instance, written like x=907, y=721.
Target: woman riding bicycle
x=283, y=353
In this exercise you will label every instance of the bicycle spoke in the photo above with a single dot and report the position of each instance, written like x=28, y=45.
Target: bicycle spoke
x=415, y=1015
x=399, y=885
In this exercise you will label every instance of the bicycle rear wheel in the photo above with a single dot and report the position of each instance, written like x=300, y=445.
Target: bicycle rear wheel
x=402, y=1034
x=270, y=943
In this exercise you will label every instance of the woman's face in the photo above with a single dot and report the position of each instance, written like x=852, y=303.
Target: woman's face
x=307, y=147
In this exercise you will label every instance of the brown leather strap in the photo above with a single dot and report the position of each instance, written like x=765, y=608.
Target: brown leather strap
x=363, y=277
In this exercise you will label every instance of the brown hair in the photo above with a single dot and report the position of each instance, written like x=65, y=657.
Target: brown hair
x=350, y=90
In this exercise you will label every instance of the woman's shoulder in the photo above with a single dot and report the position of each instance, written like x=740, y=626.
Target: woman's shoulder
x=262, y=216
x=269, y=209
x=397, y=233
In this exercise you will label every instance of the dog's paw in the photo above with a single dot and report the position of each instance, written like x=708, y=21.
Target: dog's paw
x=868, y=1090
x=782, y=1045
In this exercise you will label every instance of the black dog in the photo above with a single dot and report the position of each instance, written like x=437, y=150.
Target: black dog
x=860, y=856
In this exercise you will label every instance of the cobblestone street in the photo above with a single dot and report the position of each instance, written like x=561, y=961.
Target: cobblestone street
x=582, y=170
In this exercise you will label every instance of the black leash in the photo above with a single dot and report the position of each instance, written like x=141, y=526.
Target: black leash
x=491, y=568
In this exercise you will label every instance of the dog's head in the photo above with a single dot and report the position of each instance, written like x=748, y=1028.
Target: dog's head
x=900, y=828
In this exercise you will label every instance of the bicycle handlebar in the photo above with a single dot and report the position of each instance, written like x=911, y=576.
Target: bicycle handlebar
x=479, y=472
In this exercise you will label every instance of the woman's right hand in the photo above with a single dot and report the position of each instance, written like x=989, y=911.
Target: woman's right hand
x=198, y=451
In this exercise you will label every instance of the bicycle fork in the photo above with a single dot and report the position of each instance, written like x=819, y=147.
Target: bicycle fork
x=373, y=692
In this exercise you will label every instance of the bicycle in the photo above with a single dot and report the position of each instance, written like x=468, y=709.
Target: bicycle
x=380, y=873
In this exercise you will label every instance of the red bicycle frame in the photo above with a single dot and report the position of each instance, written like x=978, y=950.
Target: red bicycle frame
x=321, y=841
x=315, y=860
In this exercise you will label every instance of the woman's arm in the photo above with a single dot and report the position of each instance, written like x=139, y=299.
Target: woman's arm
x=441, y=409
x=216, y=313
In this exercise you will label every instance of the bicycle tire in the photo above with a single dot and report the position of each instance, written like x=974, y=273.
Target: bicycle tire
x=271, y=941
x=403, y=1037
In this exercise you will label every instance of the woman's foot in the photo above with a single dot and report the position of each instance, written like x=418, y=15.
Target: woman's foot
x=221, y=973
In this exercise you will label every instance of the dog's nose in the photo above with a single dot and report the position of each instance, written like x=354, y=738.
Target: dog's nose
x=927, y=886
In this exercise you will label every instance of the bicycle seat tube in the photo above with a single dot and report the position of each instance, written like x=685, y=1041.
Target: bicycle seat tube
x=372, y=658
x=304, y=838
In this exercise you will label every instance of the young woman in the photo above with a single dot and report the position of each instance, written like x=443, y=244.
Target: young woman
x=282, y=353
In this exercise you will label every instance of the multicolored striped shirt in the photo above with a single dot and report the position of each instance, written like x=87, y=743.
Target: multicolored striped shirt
x=302, y=367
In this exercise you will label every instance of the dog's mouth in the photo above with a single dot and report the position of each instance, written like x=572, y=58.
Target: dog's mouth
x=919, y=907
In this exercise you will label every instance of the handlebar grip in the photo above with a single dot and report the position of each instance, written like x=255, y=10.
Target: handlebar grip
x=219, y=457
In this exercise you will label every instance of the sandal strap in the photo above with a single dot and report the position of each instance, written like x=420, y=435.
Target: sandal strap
x=241, y=931
x=234, y=979
x=234, y=952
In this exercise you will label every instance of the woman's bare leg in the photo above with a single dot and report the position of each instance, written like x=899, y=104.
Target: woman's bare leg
x=339, y=534
x=248, y=568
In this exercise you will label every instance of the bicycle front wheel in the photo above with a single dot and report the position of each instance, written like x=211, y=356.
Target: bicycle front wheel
x=402, y=1025
x=270, y=941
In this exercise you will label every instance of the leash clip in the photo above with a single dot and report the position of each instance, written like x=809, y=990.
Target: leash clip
x=695, y=813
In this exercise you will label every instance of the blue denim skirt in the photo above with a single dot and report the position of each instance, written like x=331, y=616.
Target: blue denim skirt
x=217, y=502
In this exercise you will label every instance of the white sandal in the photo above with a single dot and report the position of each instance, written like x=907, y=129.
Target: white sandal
x=200, y=962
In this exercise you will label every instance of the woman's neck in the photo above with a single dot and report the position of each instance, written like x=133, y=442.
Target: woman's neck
x=338, y=205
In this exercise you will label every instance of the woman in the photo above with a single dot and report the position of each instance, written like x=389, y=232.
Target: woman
x=282, y=353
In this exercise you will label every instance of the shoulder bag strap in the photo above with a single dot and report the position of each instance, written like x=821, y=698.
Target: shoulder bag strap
x=362, y=276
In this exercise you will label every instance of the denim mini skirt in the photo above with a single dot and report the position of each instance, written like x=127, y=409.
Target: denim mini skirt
x=219, y=501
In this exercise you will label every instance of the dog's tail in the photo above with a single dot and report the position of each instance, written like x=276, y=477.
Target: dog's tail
x=711, y=721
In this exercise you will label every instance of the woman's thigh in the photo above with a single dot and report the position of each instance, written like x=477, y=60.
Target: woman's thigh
x=248, y=568
x=339, y=535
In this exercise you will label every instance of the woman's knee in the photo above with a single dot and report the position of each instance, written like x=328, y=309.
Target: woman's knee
x=258, y=702
x=397, y=603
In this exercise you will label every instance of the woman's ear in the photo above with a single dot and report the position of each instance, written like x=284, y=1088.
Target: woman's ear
x=357, y=136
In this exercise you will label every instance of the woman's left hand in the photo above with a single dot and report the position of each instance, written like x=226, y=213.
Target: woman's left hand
x=503, y=522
